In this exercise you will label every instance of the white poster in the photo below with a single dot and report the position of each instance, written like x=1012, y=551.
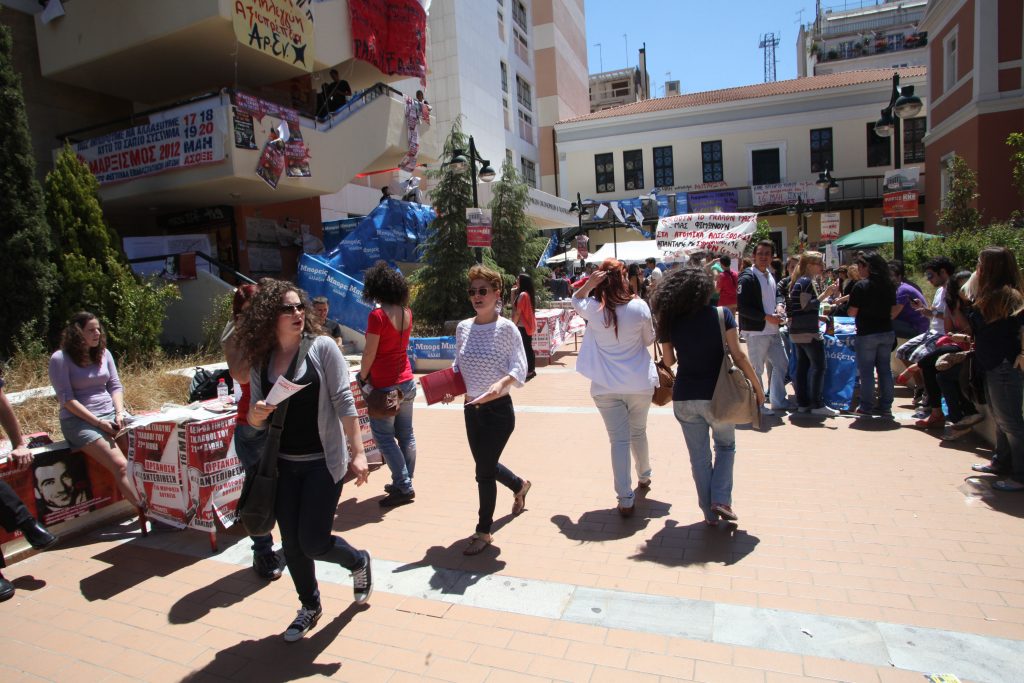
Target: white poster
x=719, y=233
x=787, y=193
x=167, y=245
x=830, y=225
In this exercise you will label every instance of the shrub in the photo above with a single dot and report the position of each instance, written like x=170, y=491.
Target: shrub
x=962, y=247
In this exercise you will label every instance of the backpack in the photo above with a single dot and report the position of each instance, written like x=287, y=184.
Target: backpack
x=204, y=384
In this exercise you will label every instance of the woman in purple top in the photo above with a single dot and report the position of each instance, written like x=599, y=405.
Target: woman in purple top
x=91, y=398
x=907, y=322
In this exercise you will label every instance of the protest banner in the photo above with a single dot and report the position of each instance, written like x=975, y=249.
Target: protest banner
x=478, y=227
x=717, y=201
x=391, y=35
x=830, y=225
x=155, y=472
x=552, y=330
x=193, y=137
x=682, y=203
x=246, y=108
x=279, y=28
x=271, y=164
x=718, y=233
x=373, y=454
x=902, y=204
x=787, y=193
x=214, y=476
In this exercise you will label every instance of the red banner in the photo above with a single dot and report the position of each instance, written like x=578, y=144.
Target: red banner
x=215, y=475
x=901, y=204
x=391, y=35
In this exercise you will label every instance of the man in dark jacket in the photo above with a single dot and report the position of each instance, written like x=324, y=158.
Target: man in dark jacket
x=760, y=317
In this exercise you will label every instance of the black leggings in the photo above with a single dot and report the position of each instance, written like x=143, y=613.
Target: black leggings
x=488, y=428
x=531, y=357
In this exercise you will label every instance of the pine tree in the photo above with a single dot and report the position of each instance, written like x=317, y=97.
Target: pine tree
x=27, y=277
x=958, y=214
x=512, y=229
x=440, y=285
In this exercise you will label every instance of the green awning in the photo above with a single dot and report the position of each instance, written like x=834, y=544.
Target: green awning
x=877, y=235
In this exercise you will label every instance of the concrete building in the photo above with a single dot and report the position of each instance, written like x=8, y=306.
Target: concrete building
x=729, y=144
x=975, y=96
x=863, y=34
x=615, y=88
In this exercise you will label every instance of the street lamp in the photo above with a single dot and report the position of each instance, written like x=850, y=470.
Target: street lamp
x=580, y=209
x=828, y=185
x=903, y=104
x=463, y=159
x=800, y=210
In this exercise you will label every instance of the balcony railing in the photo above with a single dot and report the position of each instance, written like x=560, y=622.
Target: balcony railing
x=866, y=48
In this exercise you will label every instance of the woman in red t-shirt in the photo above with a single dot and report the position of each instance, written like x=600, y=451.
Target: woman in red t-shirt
x=524, y=316
x=385, y=366
x=727, y=284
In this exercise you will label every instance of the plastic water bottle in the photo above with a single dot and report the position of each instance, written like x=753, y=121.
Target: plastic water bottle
x=222, y=390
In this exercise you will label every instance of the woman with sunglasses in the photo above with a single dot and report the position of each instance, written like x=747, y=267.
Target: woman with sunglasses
x=313, y=455
x=490, y=357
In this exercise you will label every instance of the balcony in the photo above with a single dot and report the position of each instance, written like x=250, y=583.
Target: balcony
x=154, y=52
x=367, y=134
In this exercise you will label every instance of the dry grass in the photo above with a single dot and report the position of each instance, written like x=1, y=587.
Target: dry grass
x=146, y=387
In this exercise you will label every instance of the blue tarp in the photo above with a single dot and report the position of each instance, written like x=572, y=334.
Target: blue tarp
x=393, y=232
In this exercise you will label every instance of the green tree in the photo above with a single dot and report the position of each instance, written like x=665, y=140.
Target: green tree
x=762, y=232
x=1016, y=143
x=94, y=274
x=512, y=228
x=27, y=277
x=440, y=285
x=958, y=213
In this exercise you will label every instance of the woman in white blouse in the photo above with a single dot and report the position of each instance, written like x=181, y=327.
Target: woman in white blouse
x=489, y=354
x=614, y=356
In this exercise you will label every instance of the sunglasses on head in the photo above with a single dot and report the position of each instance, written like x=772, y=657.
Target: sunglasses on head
x=291, y=309
x=475, y=292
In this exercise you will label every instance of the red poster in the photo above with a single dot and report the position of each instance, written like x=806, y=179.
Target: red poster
x=271, y=164
x=373, y=454
x=215, y=476
x=153, y=464
x=391, y=35
x=478, y=235
x=902, y=204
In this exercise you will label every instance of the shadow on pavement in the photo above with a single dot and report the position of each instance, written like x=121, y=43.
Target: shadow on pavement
x=608, y=525
x=979, y=487
x=874, y=424
x=681, y=546
x=353, y=513
x=130, y=566
x=28, y=583
x=272, y=660
x=808, y=421
x=222, y=593
x=453, y=571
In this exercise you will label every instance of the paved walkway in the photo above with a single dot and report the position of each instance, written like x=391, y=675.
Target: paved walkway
x=865, y=552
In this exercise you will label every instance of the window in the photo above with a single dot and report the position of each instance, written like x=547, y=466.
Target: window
x=529, y=170
x=764, y=166
x=945, y=181
x=525, y=126
x=633, y=162
x=711, y=161
x=521, y=45
x=524, y=94
x=879, y=148
x=913, y=140
x=504, y=79
x=501, y=19
x=949, y=76
x=519, y=15
x=604, y=172
x=664, y=176
x=821, y=149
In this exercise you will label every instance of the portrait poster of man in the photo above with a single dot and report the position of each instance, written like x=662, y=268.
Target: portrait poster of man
x=67, y=484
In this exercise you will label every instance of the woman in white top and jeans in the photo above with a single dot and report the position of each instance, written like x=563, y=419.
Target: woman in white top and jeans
x=615, y=358
x=490, y=357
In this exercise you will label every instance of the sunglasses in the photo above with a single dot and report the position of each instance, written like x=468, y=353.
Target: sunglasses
x=291, y=309
x=478, y=292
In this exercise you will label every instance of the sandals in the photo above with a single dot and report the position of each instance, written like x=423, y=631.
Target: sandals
x=724, y=511
x=477, y=543
x=519, y=502
x=1007, y=485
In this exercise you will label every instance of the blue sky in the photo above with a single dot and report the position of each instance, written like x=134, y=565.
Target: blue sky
x=706, y=45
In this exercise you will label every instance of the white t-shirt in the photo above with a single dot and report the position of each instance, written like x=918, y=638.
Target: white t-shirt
x=617, y=364
x=936, y=324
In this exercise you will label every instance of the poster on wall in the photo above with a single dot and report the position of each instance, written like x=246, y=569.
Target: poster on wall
x=830, y=225
x=247, y=109
x=245, y=134
x=154, y=471
x=271, y=164
x=391, y=35
x=478, y=227
x=193, y=136
x=206, y=451
x=282, y=29
x=716, y=201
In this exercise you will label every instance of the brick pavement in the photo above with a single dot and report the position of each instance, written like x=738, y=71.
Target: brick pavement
x=873, y=523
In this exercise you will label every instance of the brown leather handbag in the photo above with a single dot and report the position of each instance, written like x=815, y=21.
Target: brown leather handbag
x=663, y=392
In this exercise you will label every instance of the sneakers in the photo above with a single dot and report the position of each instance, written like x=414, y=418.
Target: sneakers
x=362, y=580
x=934, y=419
x=396, y=498
x=969, y=421
x=824, y=411
x=304, y=620
x=267, y=566
x=864, y=412
x=803, y=409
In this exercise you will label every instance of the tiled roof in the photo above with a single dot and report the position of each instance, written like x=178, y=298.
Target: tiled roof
x=749, y=92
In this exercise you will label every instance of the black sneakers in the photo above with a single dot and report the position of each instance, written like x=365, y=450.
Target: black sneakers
x=305, y=619
x=396, y=498
x=267, y=566
x=362, y=580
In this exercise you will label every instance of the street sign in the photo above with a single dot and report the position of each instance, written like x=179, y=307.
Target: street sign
x=900, y=204
x=478, y=227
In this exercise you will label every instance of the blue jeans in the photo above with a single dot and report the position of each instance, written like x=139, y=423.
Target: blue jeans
x=249, y=448
x=768, y=347
x=810, y=373
x=1004, y=386
x=872, y=352
x=395, y=438
x=713, y=480
x=625, y=418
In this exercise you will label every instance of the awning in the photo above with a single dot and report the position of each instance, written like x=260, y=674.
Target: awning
x=877, y=235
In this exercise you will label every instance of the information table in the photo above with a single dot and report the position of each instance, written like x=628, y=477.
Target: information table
x=840, y=364
x=554, y=327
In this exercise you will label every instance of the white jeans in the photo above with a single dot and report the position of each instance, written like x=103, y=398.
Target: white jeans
x=625, y=418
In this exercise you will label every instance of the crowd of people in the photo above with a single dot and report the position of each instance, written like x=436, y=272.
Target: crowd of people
x=962, y=350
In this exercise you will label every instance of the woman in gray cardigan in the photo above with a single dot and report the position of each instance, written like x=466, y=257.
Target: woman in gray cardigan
x=313, y=455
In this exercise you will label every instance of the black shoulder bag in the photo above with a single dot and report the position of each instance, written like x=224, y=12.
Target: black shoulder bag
x=256, y=503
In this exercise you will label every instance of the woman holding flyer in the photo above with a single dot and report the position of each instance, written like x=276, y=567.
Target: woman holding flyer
x=490, y=357
x=319, y=417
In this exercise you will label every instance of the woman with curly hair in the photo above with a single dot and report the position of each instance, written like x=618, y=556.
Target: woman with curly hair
x=873, y=304
x=489, y=355
x=91, y=397
x=615, y=358
x=313, y=455
x=524, y=316
x=689, y=330
x=996, y=320
x=385, y=366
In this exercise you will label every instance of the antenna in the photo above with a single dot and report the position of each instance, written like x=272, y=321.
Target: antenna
x=625, y=37
x=600, y=57
x=768, y=43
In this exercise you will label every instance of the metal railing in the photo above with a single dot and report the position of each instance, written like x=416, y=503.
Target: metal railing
x=224, y=267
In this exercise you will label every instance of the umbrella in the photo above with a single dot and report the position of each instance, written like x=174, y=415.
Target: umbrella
x=877, y=235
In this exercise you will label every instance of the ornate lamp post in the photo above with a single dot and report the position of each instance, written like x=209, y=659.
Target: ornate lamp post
x=903, y=104
x=462, y=160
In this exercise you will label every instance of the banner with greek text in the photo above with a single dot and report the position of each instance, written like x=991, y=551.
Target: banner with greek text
x=719, y=233
x=787, y=193
x=720, y=201
x=193, y=137
x=282, y=29
x=391, y=35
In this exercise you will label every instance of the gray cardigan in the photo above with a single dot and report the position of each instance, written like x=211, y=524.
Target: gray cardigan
x=335, y=400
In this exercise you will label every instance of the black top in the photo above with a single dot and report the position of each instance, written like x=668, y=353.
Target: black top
x=699, y=350
x=996, y=341
x=874, y=307
x=301, y=433
x=748, y=301
x=333, y=328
